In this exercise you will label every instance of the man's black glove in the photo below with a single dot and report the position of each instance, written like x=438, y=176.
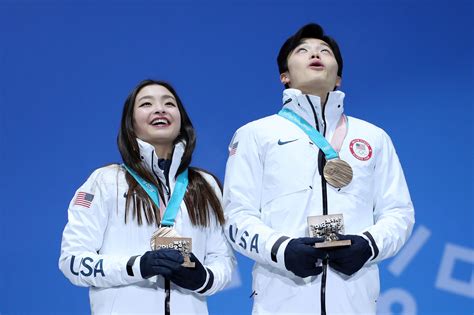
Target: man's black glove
x=301, y=257
x=348, y=260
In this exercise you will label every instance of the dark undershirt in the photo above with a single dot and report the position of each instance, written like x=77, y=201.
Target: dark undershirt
x=165, y=166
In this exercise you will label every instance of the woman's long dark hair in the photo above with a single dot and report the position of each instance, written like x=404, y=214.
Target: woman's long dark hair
x=200, y=197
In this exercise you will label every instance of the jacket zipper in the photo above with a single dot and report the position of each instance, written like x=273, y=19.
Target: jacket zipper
x=321, y=164
x=164, y=187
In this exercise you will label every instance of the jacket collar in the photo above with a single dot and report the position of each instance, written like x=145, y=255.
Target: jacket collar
x=150, y=161
x=303, y=105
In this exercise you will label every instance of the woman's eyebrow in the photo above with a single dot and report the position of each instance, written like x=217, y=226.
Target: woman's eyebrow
x=164, y=97
x=144, y=97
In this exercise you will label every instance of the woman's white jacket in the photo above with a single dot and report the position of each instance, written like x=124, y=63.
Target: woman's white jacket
x=97, y=244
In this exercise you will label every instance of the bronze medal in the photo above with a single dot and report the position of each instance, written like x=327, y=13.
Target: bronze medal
x=163, y=231
x=338, y=173
x=167, y=237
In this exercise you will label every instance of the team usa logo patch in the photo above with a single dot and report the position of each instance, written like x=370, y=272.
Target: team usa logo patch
x=360, y=149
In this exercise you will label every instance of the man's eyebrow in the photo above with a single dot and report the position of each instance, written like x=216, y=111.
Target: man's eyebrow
x=305, y=41
x=324, y=44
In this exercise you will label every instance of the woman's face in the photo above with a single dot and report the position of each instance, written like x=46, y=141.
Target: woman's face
x=157, y=119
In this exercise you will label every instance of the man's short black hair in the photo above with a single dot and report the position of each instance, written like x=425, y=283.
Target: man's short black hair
x=311, y=30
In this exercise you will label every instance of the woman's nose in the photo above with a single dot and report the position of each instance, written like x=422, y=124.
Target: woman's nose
x=160, y=108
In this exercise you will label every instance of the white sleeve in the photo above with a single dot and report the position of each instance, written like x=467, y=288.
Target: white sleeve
x=242, y=202
x=219, y=259
x=394, y=215
x=80, y=260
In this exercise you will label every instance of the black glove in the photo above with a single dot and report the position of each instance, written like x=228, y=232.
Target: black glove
x=301, y=257
x=188, y=278
x=348, y=260
x=167, y=263
x=151, y=263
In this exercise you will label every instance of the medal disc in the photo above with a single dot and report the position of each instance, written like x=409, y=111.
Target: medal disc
x=337, y=173
x=163, y=231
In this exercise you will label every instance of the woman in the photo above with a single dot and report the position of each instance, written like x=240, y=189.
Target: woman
x=117, y=211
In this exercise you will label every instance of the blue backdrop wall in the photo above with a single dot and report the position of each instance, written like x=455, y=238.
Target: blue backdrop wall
x=67, y=66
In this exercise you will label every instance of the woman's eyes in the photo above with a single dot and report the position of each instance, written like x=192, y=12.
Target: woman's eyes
x=301, y=49
x=147, y=104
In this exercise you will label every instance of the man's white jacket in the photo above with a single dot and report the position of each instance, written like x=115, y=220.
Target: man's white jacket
x=97, y=245
x=272, y=184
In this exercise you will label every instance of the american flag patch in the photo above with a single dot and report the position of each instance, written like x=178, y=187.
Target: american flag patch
x=84, y=199
x=233, y=148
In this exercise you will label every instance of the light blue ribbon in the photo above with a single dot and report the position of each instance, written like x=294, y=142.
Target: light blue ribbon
x=176, y=198
x=312, y=133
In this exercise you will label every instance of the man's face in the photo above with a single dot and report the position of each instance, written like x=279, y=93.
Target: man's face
x=312, y=67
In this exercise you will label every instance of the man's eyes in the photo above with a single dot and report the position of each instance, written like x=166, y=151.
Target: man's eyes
x=323, y=50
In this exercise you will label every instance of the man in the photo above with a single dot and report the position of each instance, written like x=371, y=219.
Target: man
x=276, y=178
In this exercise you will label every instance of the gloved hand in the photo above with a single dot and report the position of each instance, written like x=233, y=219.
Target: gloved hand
x=348, y=260
x=188, y=278
x=151, y=263
x=167, y=263
x=301, y=257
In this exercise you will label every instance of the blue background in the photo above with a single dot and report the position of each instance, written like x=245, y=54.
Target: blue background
x=67, y=66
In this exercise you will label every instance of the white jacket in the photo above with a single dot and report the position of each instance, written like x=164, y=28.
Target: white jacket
x=272, y=185
x=97, y=244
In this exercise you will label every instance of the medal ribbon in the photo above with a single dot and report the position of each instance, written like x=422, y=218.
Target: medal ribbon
x=316, y=136
x=176, y=198
x=339, y=134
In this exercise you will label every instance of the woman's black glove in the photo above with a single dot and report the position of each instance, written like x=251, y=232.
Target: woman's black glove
x=151, y=263
x=168, y=263
x=188, y=278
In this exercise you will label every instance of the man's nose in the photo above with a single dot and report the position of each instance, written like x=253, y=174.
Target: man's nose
x=315, y=54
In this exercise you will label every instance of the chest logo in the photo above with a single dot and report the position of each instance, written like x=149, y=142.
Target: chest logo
x=360, y=149
x=285, y=142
